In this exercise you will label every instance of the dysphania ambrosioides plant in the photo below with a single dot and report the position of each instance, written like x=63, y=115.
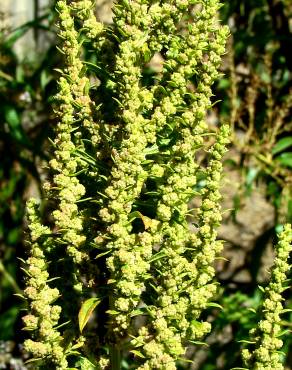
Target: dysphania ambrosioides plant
x=118, y=248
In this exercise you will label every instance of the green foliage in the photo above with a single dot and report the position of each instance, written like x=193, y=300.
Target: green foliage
x=256, y=95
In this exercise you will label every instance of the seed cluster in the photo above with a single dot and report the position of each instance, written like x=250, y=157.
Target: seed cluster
x=266, y=336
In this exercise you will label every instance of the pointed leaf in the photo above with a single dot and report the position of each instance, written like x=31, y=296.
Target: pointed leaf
x=282, y=144
x=85, y=364
x=285, y=159
x=213, y=304
x=86, y=310
x=137, y=353
x=261, y=288
x=199, y=343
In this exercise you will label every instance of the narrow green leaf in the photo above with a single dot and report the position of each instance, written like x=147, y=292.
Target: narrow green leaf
x=33, y=360
x=199, y=343
x=92, y=66
x=157, y=256
x=103, y=254
x=285, y=159
x=20, y=296
x=85, y=364
x=283, y=332
x=63, y=324
x=112, y=312
x=283, y=311
x=137, y=353
x=138, y=312
x=213, y=304
x=15, y=35
x=282, y=144
x=185, y=360
x=86, y=310
x=261, y=288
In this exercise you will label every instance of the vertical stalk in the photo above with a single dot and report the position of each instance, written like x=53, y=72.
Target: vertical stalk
x=115, y=348
x=115, y=357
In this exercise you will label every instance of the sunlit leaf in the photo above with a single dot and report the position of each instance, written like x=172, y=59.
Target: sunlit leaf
x=86, y=310
x=85, y=364
x=285, y=159
x=282, y=144
x=137, y=353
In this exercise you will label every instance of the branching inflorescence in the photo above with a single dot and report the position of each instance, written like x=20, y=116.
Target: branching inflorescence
x=125, y=166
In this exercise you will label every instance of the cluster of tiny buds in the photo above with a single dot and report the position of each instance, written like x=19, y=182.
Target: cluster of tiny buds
x=266, y=336
x=133, y=258
x=43, y=315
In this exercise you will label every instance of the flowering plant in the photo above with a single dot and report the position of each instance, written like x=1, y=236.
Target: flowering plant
x=119, y=249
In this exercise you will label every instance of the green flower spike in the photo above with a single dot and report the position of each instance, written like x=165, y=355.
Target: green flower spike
x=265, y=354
x=181, y=276
x=43, y=315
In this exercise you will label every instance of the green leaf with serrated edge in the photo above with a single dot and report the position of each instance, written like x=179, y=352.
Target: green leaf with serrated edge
x=86, y=310
x=137, y=353
x=282, y=144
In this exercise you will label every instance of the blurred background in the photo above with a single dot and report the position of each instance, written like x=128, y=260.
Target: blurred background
x=253, y=96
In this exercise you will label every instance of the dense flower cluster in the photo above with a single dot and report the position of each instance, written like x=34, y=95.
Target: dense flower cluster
x=265, y=355
x=44, y=315
x=68, y=189
x=75, y=116
x=184, y=269
x=132, y=151
x=128, y=262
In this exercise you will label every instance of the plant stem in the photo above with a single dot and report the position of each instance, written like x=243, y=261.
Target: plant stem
x=115, y=354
